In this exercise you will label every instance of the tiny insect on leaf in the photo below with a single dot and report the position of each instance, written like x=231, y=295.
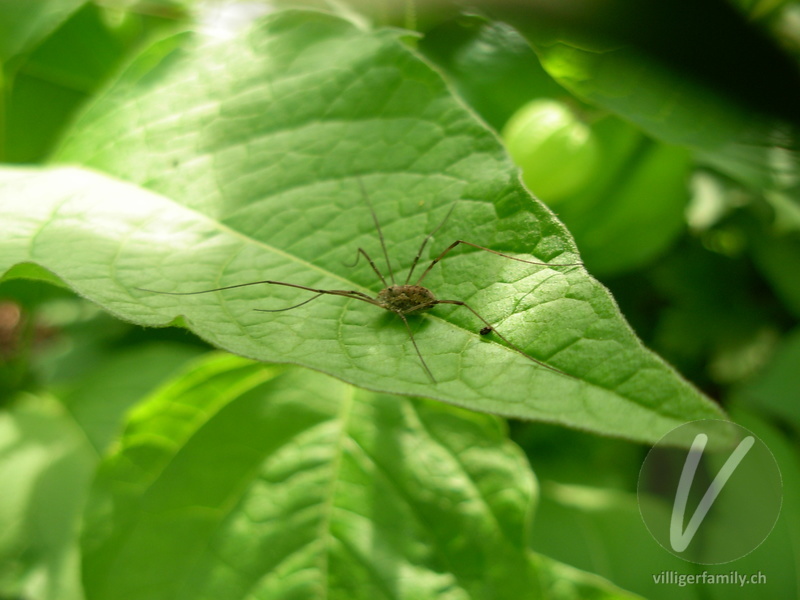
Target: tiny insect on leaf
x=401, y=300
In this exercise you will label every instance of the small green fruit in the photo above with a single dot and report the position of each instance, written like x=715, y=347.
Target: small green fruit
x=555, y=149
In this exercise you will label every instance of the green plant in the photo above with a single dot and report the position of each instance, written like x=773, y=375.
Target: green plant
x=315, y=458
x=556, y=151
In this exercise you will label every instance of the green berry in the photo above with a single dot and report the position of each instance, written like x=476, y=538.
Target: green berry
x=555, y=149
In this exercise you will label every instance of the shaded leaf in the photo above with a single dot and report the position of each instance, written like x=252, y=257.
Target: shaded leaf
x=238, y=481
x=49, y=450
x=46, y=86
x=780, y=549
x=775, y=390
x=99, y=401
x=46, y=467
x=24, y=24
x=601, y=530
x=778, y=256
x=492, y=66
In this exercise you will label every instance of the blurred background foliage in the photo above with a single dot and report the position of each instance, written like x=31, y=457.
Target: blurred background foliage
x=663, y=134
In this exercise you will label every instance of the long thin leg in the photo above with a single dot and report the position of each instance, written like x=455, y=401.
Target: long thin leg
x=501, y=336
x=425, y=243
x=363, y=252
x=289, y=307
x=457, y=242
x=378, y=228
x=413, y=341
x=346, y=293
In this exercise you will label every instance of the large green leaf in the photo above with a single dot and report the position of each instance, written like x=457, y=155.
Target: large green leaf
x=45, y=469
x=256, y=147
x=49, y=450
x=240, y=481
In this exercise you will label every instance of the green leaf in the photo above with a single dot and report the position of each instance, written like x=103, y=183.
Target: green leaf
x=778, y=256
x=237, y=480
x=491, y=64
x=24, y=24
x=775, y=391
x=596, y=528
x=99, y=401
x=32, y=271
x=256, y=147
x=779, y=554
x=601, y=530
x=45, y=466
x=53, y=80
x=49, y=450
x=716, y=325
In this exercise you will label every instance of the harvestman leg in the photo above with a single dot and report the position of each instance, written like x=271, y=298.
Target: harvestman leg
x=356, y=295
x=361, y=252
x=500, y=335
x=455, y=244
x=380, y=235
x=414, y=342
x=425, y=243
x=488, y=325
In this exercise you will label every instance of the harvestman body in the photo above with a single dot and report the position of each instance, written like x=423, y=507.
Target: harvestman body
x=402, y=299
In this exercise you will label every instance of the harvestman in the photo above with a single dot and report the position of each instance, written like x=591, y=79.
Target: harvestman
x=402, y=299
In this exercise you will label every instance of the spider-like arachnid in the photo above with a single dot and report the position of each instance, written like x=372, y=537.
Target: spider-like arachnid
x=401, y=300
